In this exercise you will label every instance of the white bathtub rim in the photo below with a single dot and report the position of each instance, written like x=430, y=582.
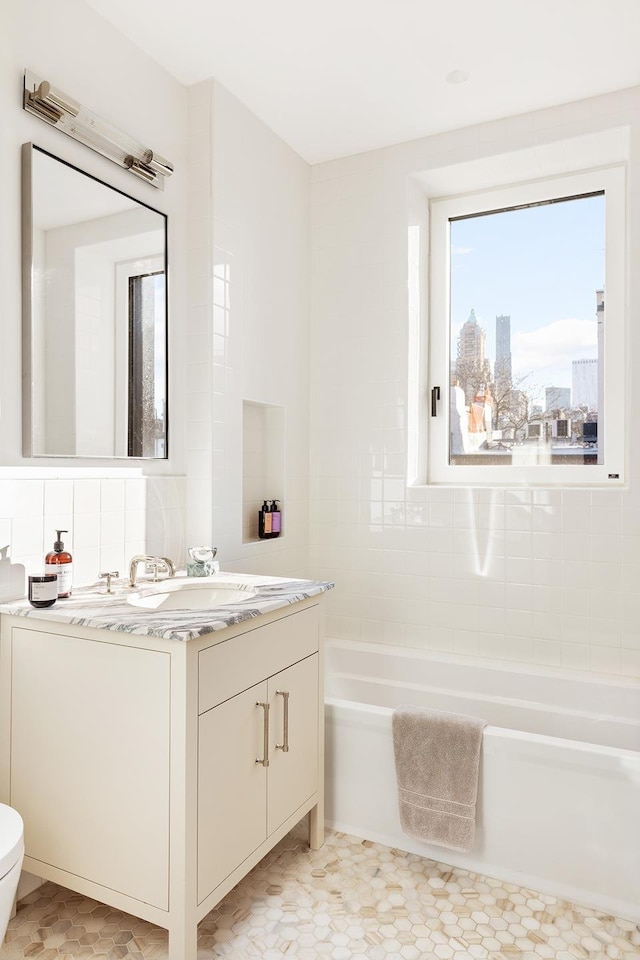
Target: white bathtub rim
x=504, y=666
x=630, y=758
x=533, y=705
x=624, y=909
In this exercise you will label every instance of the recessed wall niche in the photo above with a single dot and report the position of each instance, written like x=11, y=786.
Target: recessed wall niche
x=262, y=464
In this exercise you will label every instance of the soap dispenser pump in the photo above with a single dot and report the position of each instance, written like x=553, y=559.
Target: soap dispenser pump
x=60, y=562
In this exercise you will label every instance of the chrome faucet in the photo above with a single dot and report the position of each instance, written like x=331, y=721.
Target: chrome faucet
x=154, y=563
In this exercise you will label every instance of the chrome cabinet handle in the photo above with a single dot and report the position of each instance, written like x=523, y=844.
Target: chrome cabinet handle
x=265, y=749
x=285, y=699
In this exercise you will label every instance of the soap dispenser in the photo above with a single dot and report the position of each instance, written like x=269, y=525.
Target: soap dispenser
x=264, y=521
x=275, y=518
x=12, y=578
x=60, y=561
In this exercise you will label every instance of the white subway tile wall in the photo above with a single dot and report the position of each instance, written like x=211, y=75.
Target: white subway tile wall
x=545, y=577
x=248, y=326
x=104, y=506
x=540, y=576
x=199, y=440
x=109, y=520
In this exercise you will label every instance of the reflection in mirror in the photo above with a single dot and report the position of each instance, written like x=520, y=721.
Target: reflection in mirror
x=95, y=317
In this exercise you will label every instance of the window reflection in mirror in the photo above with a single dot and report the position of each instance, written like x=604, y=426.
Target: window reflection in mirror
x=95, y=317
x=147, y=381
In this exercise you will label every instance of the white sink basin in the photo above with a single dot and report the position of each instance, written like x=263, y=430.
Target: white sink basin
x=193, y=596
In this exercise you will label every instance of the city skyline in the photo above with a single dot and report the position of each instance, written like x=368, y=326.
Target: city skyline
x=471, y=349
x=540, y=267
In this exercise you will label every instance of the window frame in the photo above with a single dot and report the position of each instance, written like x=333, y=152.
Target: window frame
x=612, y=181
x=124, y=271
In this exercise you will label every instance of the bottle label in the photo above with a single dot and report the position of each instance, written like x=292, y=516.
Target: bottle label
x=65, y=575
x=267, y=522
x=275, y=522
x=43, y=591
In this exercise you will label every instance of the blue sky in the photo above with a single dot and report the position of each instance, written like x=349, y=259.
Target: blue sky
x=541, y=266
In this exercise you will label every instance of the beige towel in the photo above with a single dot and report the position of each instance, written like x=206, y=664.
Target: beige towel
x=437, y=760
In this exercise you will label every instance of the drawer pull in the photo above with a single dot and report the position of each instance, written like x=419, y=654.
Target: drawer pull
x=284, y=746
x=265, y=749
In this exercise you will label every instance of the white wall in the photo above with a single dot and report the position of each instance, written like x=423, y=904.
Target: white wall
x=562, y=587
x=403, y=558
x=69, y=44
x=109, y=520
x=249, y=324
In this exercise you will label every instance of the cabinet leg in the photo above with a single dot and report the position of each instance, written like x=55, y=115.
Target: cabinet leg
x=316, y=826
x=183, y=941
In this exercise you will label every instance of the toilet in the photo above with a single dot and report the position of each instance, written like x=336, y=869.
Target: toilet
x=11, y=856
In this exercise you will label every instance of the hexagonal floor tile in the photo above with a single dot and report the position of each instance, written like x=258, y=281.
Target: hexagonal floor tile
x=351, y=900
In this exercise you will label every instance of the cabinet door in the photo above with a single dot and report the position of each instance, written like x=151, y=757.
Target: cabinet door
x=232, y=787
x=293, y=773
x=90, y=759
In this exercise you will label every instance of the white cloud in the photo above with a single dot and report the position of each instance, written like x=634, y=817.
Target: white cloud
x=554, y=346
x=461, y=251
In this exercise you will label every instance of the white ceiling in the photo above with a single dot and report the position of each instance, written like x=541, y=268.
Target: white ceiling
x=345, y=76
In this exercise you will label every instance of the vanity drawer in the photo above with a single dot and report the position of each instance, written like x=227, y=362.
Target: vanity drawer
x=240, y=662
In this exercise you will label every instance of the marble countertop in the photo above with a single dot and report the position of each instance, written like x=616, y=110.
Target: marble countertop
x=91, y=607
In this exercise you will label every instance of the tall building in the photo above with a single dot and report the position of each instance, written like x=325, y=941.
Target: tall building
x=473, y=370
x=557, y=398
x=502, y=370
x=471, y=340
x=588, y=375
x=584, y=384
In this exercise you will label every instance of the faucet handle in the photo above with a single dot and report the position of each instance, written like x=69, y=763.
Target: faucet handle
x=108, y=576
x=169, y=566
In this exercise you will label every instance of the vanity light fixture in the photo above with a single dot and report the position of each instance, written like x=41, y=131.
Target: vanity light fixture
x=58, y=109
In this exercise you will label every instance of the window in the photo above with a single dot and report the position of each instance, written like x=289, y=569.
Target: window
x=141, y=368
x=147, y=366
x=526, y=338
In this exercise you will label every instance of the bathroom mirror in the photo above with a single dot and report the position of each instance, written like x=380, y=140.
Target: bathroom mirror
x=94, y=265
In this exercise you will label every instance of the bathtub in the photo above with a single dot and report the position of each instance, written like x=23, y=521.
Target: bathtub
x=559, y=792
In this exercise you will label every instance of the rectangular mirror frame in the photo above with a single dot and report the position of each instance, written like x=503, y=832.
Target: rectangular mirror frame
x=28, y=303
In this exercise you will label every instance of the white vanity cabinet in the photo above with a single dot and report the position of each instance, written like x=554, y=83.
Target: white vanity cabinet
x=89, y=763
x=246, y=777
x=153, y=774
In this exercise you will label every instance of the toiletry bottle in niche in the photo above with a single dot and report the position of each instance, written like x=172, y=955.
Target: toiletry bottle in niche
x=264, y=521
x=276, y=518
x=60, y=561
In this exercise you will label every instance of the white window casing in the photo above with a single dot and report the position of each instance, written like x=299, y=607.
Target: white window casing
x=612, y=442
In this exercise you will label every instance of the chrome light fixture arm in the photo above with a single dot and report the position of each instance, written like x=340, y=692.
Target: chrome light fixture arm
x=60, y=110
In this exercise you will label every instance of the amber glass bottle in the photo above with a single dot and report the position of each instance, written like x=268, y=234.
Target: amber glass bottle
x=60, y=562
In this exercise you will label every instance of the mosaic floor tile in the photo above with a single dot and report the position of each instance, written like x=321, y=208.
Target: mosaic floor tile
x=352, y=900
